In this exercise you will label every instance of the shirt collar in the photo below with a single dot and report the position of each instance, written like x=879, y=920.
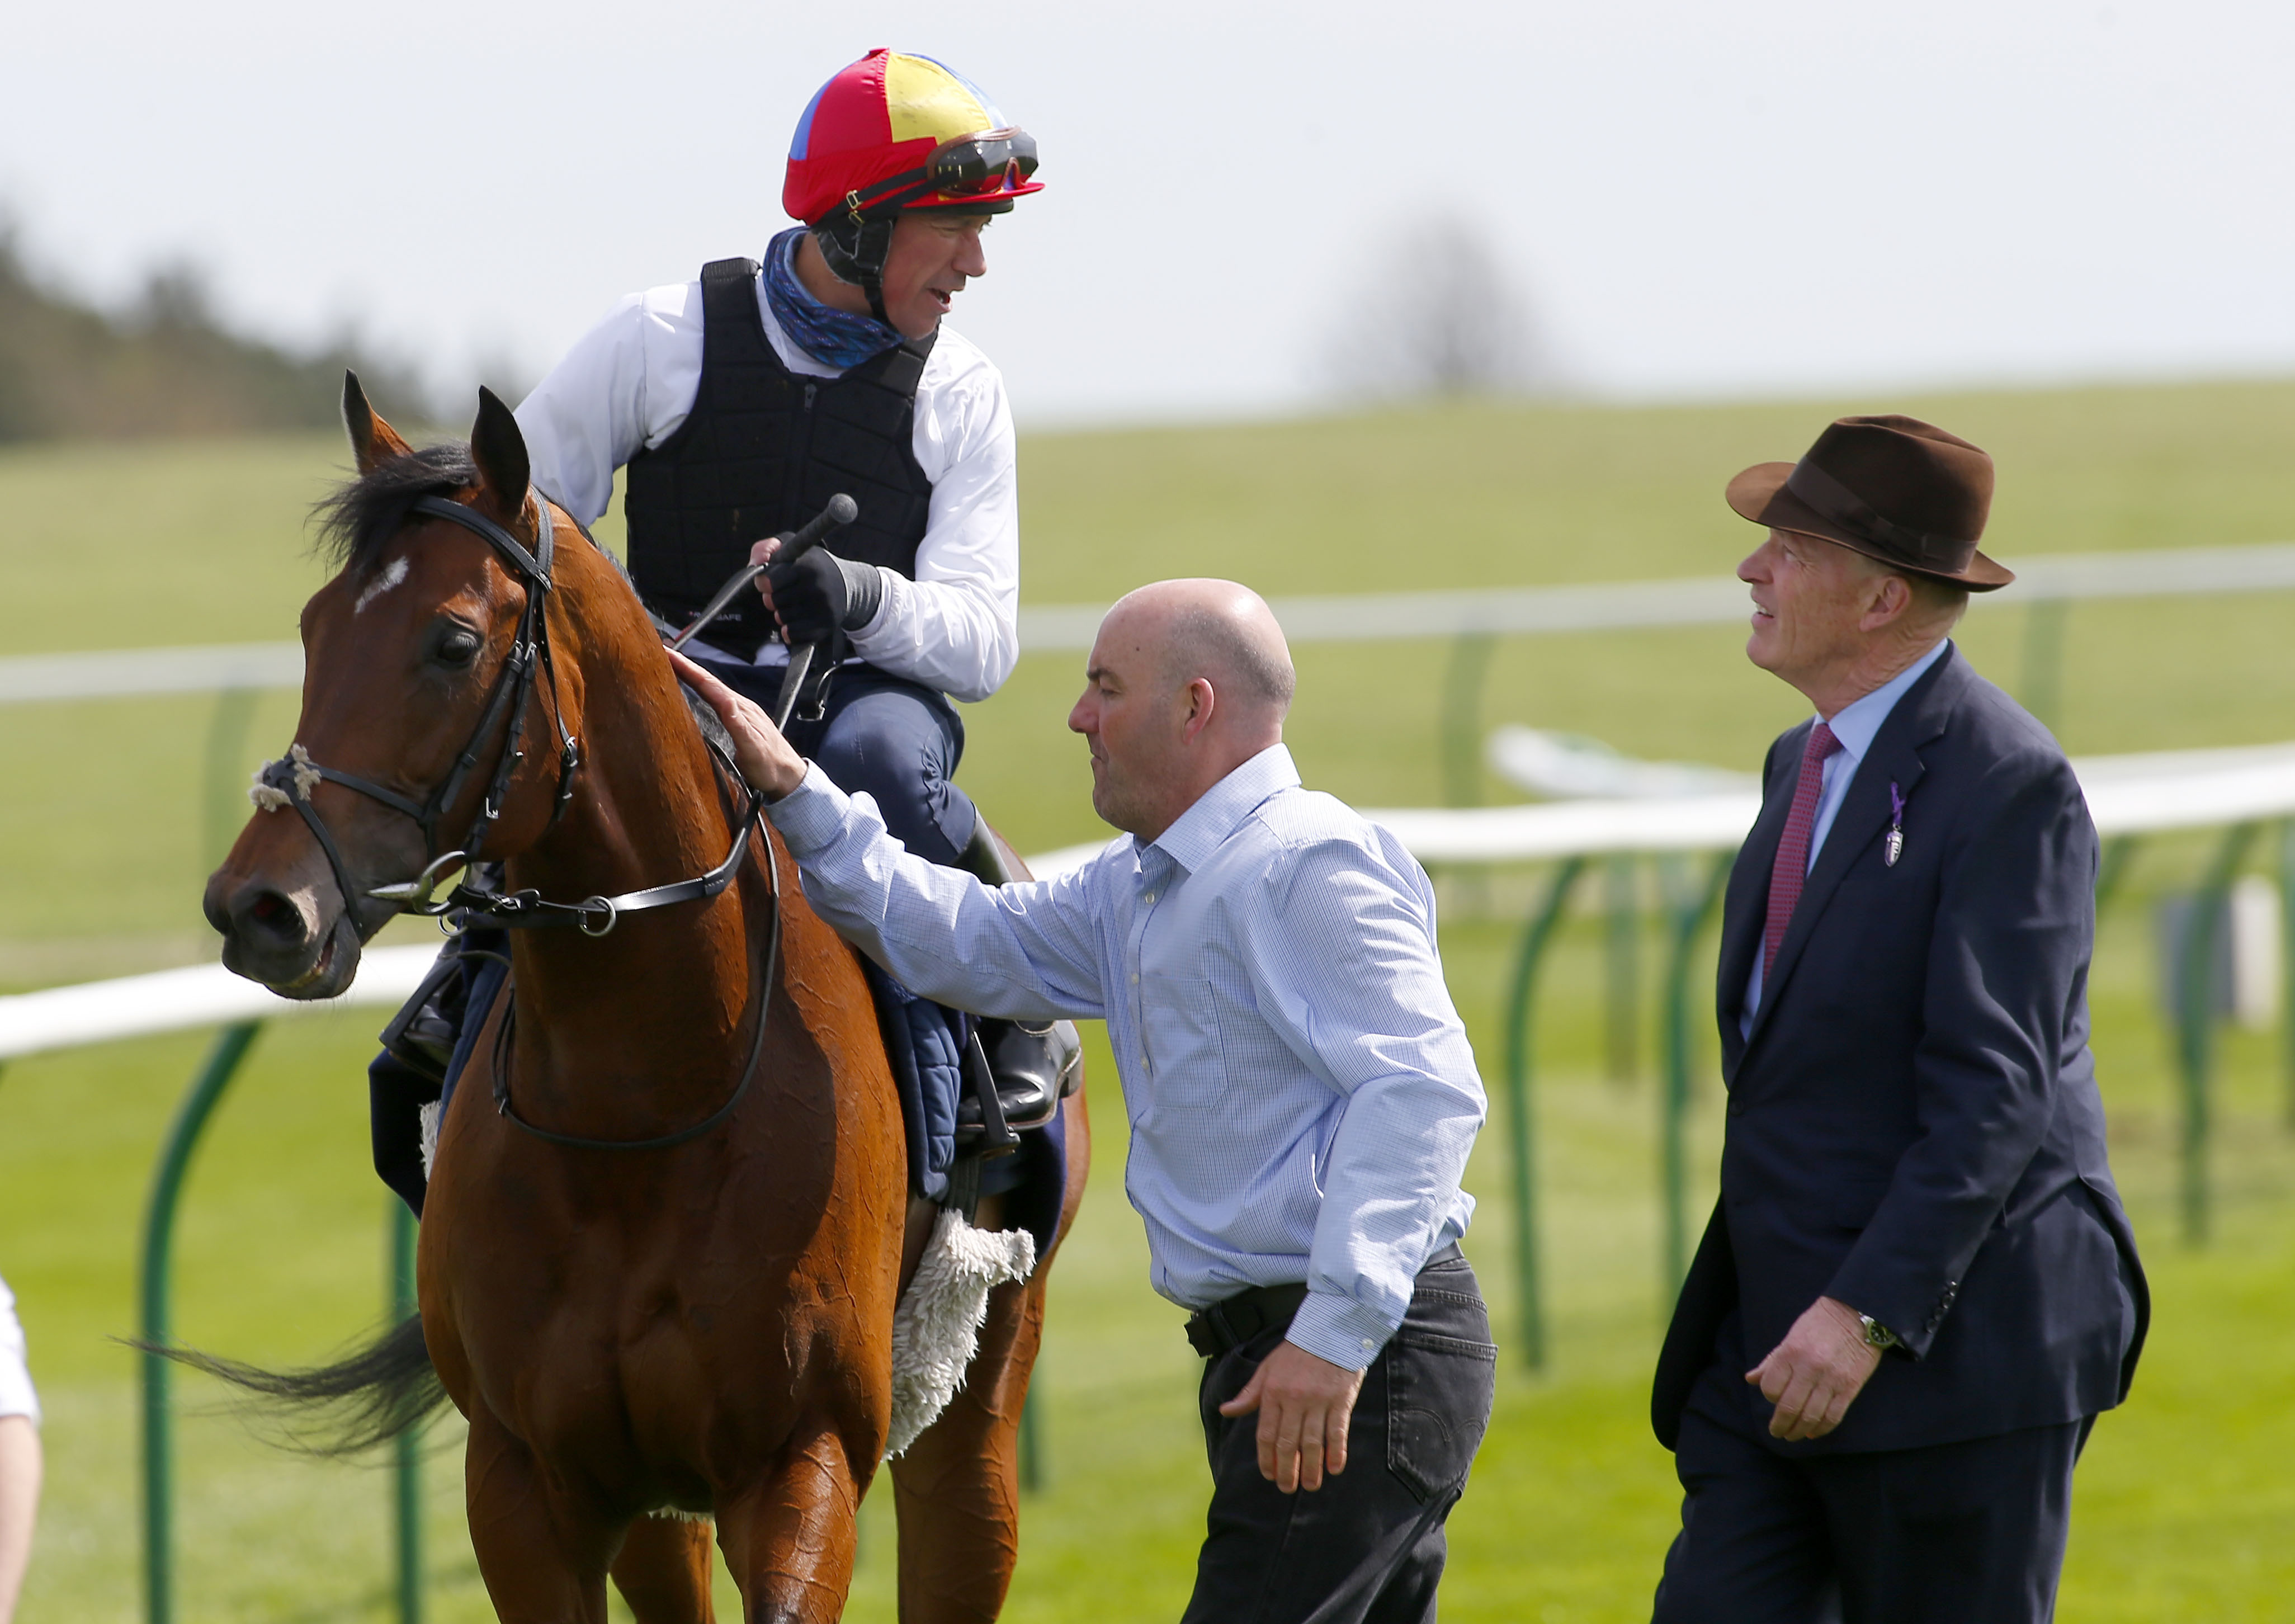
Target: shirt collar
x=1856, y=724
x=1199, y=831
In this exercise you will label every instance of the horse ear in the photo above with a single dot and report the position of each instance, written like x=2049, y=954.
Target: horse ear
x=499, y=448
x=373, y=441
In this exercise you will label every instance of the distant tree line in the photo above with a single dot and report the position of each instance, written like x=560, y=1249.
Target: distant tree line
x=166, y=365
x=1438, y=312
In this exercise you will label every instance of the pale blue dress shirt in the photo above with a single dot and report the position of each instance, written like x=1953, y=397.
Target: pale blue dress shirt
x=1300, y=1089
x=1856, y=726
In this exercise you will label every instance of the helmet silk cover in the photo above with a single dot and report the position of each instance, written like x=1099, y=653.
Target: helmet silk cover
x=882, y=116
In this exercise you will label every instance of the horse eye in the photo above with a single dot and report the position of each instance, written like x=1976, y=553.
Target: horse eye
x=457, y=646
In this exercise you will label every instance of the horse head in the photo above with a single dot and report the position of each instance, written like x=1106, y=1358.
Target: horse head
x=428, y=687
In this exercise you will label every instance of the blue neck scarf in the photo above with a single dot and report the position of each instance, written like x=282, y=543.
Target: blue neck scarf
x=834, y=337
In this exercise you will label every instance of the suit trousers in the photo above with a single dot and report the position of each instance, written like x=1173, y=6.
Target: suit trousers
x=1956, y=1533
x=1368, y=1547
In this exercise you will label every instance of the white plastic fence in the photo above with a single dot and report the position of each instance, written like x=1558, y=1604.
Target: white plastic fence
x=1068, y=628
x=2127, y=795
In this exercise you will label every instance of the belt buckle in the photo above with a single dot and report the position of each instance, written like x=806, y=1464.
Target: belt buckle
x=1202, y=1335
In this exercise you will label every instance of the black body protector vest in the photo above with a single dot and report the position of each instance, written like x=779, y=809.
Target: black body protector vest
x=762, y=451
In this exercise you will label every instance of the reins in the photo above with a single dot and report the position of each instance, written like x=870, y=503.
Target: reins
x=761, y=992
x=529, y=909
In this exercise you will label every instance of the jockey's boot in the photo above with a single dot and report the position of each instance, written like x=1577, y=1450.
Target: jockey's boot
x=1034, y=1065
x=427, y=1028
x=422, y=1035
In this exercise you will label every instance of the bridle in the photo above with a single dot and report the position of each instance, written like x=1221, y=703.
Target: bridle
x=290, y=781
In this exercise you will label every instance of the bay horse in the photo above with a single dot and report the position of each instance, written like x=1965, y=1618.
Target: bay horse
x=668, y=1218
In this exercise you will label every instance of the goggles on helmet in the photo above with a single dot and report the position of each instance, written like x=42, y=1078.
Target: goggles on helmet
x=976, y=164
x=985, y=164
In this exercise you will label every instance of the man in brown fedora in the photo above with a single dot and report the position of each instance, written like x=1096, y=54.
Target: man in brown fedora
x=1918, y=1288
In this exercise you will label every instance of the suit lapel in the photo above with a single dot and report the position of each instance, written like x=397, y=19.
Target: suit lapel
x=1920, y=716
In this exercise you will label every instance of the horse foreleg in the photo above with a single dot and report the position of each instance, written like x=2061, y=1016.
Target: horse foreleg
x=958, y=1487
x=543, y=1559
x=790, y=1541
x=662, y=1572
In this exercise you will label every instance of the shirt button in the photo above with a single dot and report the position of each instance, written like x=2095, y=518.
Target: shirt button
x=1368, y=1344
x=1135, y=978
x=1149, y=898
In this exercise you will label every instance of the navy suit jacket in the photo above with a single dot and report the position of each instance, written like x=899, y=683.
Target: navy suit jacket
x=1913, y=1123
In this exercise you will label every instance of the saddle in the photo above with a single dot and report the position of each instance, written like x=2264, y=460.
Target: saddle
x=971, y=1087
x=1034, y=1066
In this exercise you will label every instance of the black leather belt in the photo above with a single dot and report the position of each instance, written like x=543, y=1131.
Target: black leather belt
x=1226, y=1326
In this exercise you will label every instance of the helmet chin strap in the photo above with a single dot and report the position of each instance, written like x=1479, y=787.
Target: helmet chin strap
x=855, y=252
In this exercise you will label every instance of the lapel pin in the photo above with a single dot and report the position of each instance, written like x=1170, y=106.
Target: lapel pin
x=1896, y=843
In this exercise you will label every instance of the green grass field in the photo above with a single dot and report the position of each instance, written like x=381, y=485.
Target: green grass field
x=103, y=846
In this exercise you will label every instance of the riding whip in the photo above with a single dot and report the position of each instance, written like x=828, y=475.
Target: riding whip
x=842, y=510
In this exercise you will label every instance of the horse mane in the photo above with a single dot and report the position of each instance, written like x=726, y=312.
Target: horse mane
x=364, y=513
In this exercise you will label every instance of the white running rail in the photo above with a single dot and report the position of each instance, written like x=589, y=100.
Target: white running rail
x=1617, y=606
x=2127, y=795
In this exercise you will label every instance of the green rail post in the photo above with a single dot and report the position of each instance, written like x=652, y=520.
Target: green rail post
x=153, y=1316
x=406, y=1465
x=2287, y=957
x=1521, y=995
x=2042, y=688
x=2111, y=869
x=2196, y=969
x=1621, y=978
x=1031, y=1435
x=222, y=803
x=1461, y=734
x=1673, y=1131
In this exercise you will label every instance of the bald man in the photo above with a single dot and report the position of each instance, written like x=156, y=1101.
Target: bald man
x=1301, y=1094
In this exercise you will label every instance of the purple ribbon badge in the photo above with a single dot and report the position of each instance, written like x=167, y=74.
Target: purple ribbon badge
x=1896, y=843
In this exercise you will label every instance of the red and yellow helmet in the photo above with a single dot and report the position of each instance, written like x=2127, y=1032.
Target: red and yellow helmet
x=893, y=132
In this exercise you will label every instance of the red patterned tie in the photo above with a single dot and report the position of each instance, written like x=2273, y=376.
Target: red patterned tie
x=1793, y=850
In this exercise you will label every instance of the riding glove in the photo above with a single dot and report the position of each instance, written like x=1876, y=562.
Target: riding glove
x=822, y=594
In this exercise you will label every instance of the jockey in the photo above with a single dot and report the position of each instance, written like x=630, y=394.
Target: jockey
x=740, y=401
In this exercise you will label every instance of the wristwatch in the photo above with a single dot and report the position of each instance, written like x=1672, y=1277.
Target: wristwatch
x=1876, y=1335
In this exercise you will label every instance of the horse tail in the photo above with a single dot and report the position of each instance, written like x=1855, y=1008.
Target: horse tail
x=371, y=1396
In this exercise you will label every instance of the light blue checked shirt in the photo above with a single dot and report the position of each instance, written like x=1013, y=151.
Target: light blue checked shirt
x=1300, y=1089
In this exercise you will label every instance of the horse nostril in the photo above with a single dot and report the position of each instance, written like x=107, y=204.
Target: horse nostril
x=268, y=914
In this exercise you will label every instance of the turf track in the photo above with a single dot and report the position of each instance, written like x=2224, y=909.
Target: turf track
x=2183, y=1502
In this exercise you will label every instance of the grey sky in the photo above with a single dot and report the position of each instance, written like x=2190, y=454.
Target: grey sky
x=1697, y=198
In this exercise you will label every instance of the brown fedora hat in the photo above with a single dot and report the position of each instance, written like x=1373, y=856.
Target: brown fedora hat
x=1893, y=488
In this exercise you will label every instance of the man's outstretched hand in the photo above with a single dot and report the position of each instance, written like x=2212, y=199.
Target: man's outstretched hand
x=768, y=761
x=1304, y=1404
x=1814, y=1374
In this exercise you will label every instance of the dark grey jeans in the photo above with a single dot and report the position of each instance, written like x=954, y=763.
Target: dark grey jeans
x=1368, y=1547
